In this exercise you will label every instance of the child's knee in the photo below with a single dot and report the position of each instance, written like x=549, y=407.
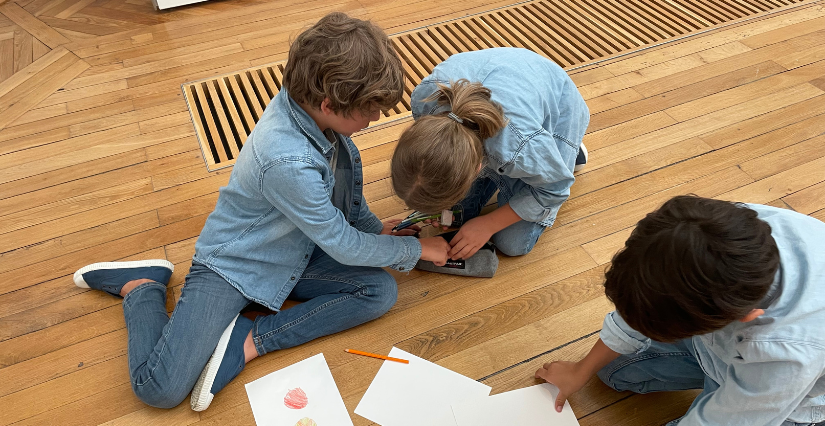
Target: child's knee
x=383, y=291
x=160, y=397
x=512, y=245
x=605, y=375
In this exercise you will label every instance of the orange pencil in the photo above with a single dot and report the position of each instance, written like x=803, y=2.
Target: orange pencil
x=388, y=358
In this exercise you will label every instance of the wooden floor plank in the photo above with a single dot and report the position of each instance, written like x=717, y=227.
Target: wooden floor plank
x=669, y=406
x=534, y=338
x=784, y=33
x=703, y=124
x=62, y=362
x=47, y=211
x=785, y=158
x=715, y=38
x=36, y=67
x=642, y=79
x=727, y=64
x=808, y=200
x=780, y=184
x=506, y=317
x=32, y=25
x=644, y=106
x=29, y=93
x=70, y=243
x=7, y=56
x=746, y=92
x=40, y=114
x=107, y=167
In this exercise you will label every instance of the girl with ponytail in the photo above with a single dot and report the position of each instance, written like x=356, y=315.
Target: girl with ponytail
x=506, y=120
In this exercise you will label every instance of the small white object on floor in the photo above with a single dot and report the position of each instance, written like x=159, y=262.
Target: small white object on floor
x=418, y=393
x=534, y=406
x=303, y=393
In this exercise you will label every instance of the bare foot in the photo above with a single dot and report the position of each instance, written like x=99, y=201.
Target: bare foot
x=249, y=350
x=131, y=286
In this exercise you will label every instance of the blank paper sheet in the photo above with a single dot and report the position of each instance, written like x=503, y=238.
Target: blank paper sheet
x=533, y=406
x=418, y=393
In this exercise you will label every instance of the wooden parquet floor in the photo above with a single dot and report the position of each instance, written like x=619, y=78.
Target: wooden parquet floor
x=99, y=162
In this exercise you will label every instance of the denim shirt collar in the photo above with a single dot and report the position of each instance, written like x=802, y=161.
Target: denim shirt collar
x=306, y=123
x=774, y=291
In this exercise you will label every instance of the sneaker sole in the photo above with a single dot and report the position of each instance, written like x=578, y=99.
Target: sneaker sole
x=579, y=167
x=80, y=282
x=202, y=392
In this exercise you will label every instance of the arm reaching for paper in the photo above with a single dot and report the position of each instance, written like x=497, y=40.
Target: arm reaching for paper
x=569, y=377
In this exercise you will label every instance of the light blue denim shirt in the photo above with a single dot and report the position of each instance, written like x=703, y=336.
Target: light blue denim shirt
x=283, y=199
x=547, y=120
x=772, y=368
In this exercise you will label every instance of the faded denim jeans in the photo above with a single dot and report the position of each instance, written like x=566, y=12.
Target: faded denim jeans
x=662, y=367
x=167, y=354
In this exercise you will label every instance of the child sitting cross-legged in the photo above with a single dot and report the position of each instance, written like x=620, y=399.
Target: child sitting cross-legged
x=291, y=223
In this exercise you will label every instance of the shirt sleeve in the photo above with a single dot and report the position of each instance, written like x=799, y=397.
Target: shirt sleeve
x=296, y=189
x=545, y=173
x=619, y=337
x=367, y=220
x=760, y=390
x=418, y=103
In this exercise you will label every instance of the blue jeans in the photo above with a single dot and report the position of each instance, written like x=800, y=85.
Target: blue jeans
x=167, y=354
x=515, y=240
x=662, y=367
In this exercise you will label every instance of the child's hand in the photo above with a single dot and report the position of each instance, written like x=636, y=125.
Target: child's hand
x=567, y=376
x=470, y=237
x=410, y=230
x=435, y=250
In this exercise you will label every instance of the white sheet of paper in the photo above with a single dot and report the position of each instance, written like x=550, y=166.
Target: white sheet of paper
x=415, y=394
x=534, y=406
x=271, y=395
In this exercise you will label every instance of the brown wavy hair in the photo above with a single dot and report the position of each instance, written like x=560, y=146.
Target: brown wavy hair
x=437, y=158
x=692, y=267
x=347, y=60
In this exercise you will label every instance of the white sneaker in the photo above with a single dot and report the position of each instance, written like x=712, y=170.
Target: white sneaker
x=581, y=159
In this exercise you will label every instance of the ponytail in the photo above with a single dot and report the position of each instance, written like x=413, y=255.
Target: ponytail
x=437, y=158
x=472, y=102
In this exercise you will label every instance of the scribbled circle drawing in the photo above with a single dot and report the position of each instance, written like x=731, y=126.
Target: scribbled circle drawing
x=306, y=421
x=296, y=399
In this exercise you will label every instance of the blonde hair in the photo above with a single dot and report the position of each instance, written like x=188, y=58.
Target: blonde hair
x=437, y=158
x=347, y=60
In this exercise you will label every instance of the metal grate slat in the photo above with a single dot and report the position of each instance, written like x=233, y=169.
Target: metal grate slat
x=224, y=109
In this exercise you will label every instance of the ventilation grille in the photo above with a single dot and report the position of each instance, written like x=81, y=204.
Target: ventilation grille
x=570, y=32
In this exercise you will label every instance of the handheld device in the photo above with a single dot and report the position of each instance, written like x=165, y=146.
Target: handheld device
x=445, y=218
x=482, y=264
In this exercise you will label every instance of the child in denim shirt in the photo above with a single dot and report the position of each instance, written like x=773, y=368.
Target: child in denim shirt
x=503, y=119
x=724, y=297
x=292, y=222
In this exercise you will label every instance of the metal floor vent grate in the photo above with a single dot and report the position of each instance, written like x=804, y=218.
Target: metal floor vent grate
x=570, y=32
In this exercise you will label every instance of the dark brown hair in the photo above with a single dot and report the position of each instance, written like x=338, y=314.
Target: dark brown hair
x=347, y=60
x=437, y=158
x=691, y=267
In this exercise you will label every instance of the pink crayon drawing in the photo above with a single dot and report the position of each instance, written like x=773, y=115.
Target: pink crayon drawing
x=296, y=399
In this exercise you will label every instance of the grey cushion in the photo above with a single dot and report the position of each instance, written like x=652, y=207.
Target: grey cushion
x=482, y=264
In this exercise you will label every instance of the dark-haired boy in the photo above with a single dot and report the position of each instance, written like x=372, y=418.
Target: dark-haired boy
x=724, y=297
x=291, y=223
